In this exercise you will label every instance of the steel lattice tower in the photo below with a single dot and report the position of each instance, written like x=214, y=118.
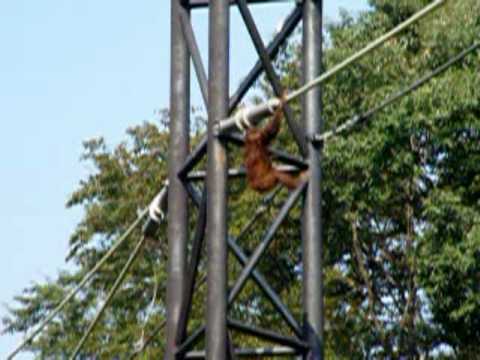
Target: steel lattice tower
x=211, y=227
x=212, y=203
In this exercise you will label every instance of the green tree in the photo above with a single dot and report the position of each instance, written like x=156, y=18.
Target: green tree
x=401, y=209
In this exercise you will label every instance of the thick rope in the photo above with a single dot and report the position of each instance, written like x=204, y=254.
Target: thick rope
x=262, y=208
x=258, y=112
x=82, y=283
x=148, y=340
x=367, y=49
x=360, y=119
x=155, y=209
x=150, y=309
x=110, y=296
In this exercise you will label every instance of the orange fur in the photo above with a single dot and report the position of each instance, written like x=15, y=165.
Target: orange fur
x=261, y=175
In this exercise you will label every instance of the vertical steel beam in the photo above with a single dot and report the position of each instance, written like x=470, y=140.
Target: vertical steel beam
x=218, y=91
x=312, y=223
x=192, y=271
x=177, y=196
x=272, y=49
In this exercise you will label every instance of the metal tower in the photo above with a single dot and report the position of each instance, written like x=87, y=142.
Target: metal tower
x=211, y=226
x=212, y=221
x=184, y=257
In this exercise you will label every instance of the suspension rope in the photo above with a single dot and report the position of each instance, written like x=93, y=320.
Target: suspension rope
x=367, y=49
x=150, y=309
x=360, y=119
x=263, y=207
x=110, y=295
x=155, y=209
x=82, y=283
x=147, y=341
x=256, y=113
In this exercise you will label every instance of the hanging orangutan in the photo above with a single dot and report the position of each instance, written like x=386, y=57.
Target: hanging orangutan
x=261, y=174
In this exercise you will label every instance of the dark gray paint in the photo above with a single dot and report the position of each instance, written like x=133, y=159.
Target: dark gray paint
x=267, y=335
x=278, y=89
x=177, y=196
x=204, y=3
x=195, y=55
x=216, y=331
x=263, y=246
x=273, y=48
x=312, y=216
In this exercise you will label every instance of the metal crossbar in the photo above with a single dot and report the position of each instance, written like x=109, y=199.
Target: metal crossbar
x=267, y=239
x=252, y=353
x=267, y=335
x=204, y=3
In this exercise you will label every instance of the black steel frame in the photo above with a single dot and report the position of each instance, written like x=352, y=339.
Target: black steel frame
x=212, y=203
x=211, y=226
x=177, y=195
x=308, y=337
x=312, y=240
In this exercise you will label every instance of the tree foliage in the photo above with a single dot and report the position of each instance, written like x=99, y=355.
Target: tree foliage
x=401, y=205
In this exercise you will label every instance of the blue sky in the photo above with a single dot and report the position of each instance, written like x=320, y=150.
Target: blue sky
x=72, y=70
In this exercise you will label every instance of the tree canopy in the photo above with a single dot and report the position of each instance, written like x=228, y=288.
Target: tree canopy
x=401, y=205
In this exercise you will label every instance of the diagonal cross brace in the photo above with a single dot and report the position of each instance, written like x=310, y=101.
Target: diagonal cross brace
x=278, y=89
x=194, y=51
x=256, y=275
x=272, y=50
x=267, y=290
x=250, y=265
x=267, y=239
